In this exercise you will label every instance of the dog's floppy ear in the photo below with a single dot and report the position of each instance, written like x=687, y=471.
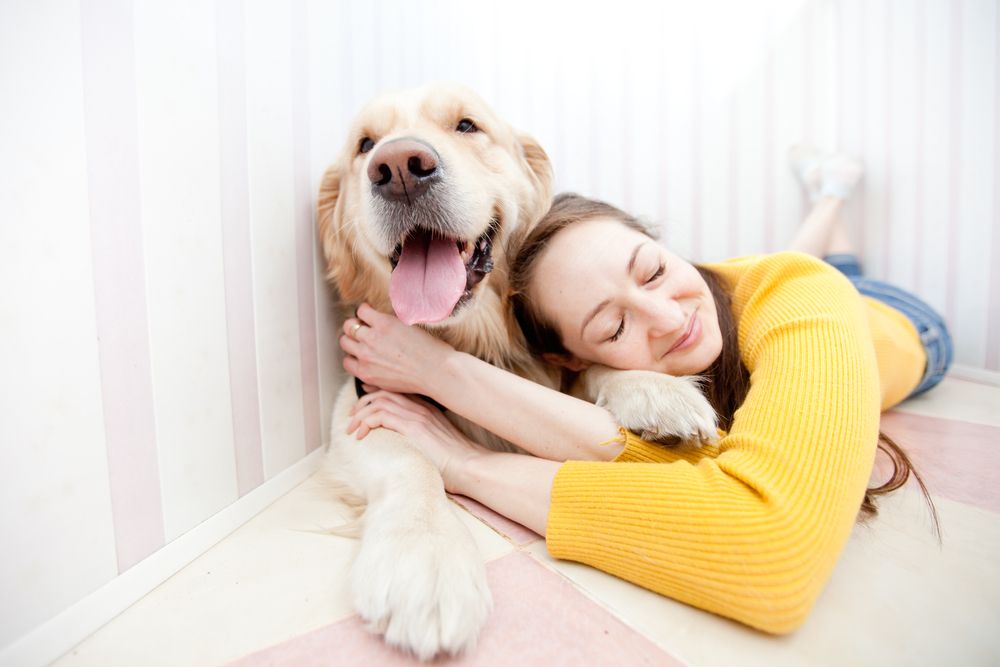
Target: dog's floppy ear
x=351, y=275
x=329, y=195
x=538, y=163
x=342, y=267
x=540, y=168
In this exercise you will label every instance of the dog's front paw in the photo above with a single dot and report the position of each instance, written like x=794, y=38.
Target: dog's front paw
x=659, y=407
x=423, y=587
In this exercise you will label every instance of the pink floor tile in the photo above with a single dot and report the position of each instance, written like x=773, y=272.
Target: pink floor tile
x=513, y=531
x=958, y=460
x=539, y=619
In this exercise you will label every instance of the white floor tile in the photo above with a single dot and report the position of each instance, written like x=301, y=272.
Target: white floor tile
x=960, y=400
x=275, y=578
x=895, y=598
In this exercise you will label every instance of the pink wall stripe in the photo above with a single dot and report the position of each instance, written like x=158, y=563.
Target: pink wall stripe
x=235, y=216
x=596, y=130
x=887, y=246
x=840, y=90
x=955, y=157
x=993, y=322
x=305, y=233
x=809, y=48
x=733, y=244
x=558, y=156
x=862, y=130
x=625, y=104
x=919, y=85
x=770, y=194
x=694, y=224
x=111, y=127
x=660, y=128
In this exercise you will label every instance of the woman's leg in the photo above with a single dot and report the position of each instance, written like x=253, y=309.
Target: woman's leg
x=829, y=180
x=840, y=243
x=821, y=233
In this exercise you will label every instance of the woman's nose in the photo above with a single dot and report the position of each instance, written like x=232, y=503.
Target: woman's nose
x=665, y=316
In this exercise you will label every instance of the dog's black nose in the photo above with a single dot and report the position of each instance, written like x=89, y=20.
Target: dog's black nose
x=403, y=169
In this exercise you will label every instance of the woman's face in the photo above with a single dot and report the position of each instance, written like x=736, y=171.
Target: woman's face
x=619, y=298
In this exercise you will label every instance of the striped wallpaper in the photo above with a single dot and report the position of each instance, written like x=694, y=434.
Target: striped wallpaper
x=169, y=348
x=168, y=339
x=683, y=111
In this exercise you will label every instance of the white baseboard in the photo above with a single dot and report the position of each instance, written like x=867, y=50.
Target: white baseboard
x=974, y=374
x=61, y=633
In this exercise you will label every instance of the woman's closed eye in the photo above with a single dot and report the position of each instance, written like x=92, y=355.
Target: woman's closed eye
x=656, y=274
x=617, y=334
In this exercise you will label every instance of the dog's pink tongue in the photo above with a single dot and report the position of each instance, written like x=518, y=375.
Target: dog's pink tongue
x=428, y=280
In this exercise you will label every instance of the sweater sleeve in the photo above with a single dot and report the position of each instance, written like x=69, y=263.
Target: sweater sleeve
x=751, y=528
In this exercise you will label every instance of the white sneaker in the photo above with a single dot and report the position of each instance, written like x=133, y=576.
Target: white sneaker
x=839, y=175
x=824, y=174
x=806, y=163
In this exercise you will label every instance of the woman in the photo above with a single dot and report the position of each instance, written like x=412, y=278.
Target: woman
x=797, y=363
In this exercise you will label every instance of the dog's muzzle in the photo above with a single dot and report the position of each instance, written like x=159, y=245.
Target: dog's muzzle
x=403, y=170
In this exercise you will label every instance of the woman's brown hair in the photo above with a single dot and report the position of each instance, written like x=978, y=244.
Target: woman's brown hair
x=727, y=380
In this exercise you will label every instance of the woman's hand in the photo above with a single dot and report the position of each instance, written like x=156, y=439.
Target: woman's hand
x=384, y=352
x=423, y=425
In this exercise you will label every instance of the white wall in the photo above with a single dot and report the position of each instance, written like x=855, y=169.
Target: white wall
x=168, y=350
x=682, y=111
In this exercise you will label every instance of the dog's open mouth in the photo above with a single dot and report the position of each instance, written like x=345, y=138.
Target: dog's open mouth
x=433, y=275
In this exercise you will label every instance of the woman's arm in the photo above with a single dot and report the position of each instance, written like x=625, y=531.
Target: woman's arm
x=388, y=354
x=545, y=422
x=516, y=485
x=750, y=528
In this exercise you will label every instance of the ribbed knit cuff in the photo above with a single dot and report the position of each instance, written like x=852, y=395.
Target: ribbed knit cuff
x=638, y=450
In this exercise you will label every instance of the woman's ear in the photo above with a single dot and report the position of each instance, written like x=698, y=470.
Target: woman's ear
x=567, y=361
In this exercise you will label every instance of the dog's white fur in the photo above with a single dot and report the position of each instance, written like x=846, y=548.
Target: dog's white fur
x=417, y=578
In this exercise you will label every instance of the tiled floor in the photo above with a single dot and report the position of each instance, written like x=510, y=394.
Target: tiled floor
x=273, y=593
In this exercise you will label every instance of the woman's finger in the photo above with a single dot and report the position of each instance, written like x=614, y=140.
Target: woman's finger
x=348, y=325
x=424, y=403
x=380, y=419
x=369, y=406
x=367, y=399
x=349, y=345
x=408, y=402
x=386, y=404
x=368, y=315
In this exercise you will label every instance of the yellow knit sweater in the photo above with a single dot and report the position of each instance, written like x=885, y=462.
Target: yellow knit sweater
x=752, y=527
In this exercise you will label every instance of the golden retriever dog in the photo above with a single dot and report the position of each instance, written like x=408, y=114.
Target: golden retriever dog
x=419, y=216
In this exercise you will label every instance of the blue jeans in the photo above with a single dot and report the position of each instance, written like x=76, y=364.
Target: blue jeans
x=930, y=325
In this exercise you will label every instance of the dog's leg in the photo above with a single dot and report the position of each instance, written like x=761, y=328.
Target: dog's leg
x=657, y=406
x=418, y=577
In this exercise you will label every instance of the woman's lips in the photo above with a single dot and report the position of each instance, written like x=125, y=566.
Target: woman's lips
x=693, y=332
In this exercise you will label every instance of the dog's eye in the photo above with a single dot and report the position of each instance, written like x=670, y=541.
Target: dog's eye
x=365, y=145
x=465, y=126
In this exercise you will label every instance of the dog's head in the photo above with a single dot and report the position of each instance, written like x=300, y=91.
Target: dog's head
x=419, y=208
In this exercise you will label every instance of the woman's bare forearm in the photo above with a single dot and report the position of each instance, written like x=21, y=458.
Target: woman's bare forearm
x=515, y=485
x=540, y=420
